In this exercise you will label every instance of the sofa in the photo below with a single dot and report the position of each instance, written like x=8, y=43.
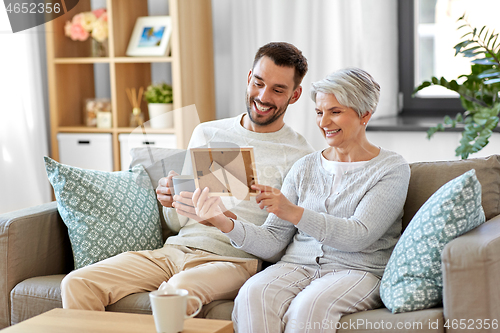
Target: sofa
x=35, y=254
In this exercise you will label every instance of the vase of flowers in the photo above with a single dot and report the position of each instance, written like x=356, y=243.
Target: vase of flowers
x=90, y=24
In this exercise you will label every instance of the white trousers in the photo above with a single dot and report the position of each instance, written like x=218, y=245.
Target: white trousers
x=288, y=297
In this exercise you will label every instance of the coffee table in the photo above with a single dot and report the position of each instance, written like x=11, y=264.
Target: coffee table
x=82, y=321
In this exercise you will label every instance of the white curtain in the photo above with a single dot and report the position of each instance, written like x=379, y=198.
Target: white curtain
x=23, y=118
x=332, y=34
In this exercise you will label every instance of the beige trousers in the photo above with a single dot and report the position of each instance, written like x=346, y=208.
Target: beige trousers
x=204, y=274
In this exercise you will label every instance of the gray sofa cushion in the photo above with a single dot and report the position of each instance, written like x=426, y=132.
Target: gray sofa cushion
x=382, y=320
x=34, y=296
x=428, y=177
x=37, y=295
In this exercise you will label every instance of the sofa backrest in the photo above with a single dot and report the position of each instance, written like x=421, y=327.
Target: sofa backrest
x=427, y=177
x=158, y=162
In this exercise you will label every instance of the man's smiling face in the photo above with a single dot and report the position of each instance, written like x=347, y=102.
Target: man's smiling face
x=270, y=90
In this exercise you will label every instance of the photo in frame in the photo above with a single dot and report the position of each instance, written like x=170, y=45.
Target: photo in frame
x=151, y=36
x=225, y=171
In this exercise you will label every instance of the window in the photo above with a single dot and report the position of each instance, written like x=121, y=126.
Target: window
x=427, y=34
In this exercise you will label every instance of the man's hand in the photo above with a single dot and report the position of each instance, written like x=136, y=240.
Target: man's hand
x=275, y=202
x=165, y=190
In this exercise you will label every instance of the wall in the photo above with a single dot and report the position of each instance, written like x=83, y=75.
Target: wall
x=415, y=147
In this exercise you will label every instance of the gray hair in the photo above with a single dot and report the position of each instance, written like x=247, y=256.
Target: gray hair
x=353, y=88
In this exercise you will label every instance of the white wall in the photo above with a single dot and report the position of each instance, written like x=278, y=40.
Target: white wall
x=415, y=147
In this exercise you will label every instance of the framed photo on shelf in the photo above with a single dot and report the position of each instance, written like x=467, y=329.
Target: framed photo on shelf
x=151, y=36
x=225, y=171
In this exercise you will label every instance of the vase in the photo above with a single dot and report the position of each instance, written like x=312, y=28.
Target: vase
x=99, y=49
x=161, y=115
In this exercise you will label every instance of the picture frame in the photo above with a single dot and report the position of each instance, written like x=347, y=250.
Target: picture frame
x=225, y=171
x=150, y=37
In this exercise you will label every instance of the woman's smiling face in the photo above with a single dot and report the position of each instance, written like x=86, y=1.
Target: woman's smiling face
x=341, y=126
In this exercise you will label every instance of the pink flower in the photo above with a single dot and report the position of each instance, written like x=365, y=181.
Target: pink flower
x=99, y=12
x=78, y=33
x=104, y=17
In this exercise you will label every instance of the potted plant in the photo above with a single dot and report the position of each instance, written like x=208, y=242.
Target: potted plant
x=478, y=90
x=160, y=98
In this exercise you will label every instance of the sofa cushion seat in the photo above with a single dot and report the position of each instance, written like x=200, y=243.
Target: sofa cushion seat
x=37, y=295
x=382, y=320
x=34, y=296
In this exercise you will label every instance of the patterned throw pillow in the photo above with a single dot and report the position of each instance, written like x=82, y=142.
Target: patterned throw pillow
x=412, y=279
x=106, y=213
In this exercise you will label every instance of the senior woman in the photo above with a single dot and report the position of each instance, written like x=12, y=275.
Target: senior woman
x=337, y=216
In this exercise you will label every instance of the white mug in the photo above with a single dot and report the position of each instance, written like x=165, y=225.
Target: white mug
x=169, y=309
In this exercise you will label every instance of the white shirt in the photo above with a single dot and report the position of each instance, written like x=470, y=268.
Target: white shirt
x=337, y=170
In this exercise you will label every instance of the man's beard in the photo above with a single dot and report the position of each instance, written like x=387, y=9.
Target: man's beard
x=277, y=114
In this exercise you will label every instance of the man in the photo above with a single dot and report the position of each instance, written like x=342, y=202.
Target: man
x=201, y=258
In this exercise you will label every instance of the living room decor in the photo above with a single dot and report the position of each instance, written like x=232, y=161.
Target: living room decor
x=93, y=107
x=90, y=24
x=136, y=118
x=106, y=213
x=68, y=59
x=160, y=104
x=413, y=278
x=151, y=36
x=478, y=91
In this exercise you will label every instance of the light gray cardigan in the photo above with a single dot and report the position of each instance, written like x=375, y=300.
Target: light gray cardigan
x=357, y=231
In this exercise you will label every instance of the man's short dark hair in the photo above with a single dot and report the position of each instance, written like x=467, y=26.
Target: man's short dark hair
x=284, y=54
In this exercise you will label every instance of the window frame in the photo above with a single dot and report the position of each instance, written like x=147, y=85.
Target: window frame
x=416, y=106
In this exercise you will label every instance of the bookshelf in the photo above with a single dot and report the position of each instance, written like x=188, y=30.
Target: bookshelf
x=71, y=70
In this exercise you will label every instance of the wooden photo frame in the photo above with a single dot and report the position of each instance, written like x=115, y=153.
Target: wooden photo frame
x=151, y=36
x=225, y=171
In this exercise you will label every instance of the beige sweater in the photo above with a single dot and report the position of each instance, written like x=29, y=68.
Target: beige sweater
x=275, y=153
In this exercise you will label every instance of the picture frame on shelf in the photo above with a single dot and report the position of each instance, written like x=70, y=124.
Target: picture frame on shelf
x=150, y=37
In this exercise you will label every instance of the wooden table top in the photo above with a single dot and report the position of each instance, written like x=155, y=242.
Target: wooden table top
x=82, y=321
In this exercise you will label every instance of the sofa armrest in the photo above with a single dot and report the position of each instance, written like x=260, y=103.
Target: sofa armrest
x=471, y=267
x=33, y=242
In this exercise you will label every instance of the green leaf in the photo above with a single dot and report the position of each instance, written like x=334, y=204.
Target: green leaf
x=484, y=61
x=430, y=132
x=489, y=73
x=480, y=31
x=454, y=85
x=480, y=119
x=492, y=81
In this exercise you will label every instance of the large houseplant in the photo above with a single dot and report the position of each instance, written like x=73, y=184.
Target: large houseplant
x=160, y=104
x=478, y=90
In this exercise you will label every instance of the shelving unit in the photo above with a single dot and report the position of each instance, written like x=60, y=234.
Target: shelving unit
x=71, y=70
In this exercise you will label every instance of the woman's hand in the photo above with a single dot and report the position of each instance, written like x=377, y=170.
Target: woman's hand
x=275, y=202
x=206, y=210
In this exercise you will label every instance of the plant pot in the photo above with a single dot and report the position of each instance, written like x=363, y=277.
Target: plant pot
x=161, y=115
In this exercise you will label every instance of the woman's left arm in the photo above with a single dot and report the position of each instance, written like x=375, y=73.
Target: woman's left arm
x=379, y=208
